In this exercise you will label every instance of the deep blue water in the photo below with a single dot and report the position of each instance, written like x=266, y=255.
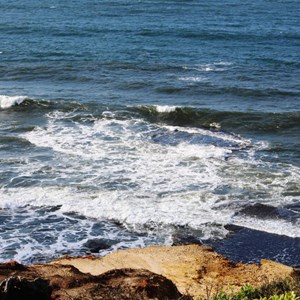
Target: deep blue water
x=132, y=123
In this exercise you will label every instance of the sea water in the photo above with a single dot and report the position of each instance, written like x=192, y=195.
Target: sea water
x=133, y=123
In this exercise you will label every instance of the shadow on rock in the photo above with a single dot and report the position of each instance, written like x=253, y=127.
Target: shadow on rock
x=19, y=288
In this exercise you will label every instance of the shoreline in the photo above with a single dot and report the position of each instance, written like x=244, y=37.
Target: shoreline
x=194, y=270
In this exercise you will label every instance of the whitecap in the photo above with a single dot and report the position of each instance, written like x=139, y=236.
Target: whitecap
x=165, y=108
x=108, y=114
x=9, y=101
x=192, y=78
x=210, y=67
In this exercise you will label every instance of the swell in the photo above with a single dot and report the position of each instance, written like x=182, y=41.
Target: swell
x=220, y=35
x=227, y=120
x=210, y=89
x=12, y=143
x=61, y=66
x=237, y=121
x=19, y=103
x=27, y=104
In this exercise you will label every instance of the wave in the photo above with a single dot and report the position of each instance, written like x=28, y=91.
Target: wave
x=192, y=78
x=140, y=174
x=213, y=67
x=165, y=108
x=25, y=103
x=239, y=122
x=9, y=101
x=218, y=35
x=226, y=120
x=206, y=88
x=59, y=68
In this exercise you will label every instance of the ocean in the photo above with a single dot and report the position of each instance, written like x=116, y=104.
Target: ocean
x=149, y=122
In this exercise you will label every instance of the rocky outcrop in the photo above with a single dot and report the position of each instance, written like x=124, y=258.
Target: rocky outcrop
x=46, y=282
x=195, y=270
x=141, y=274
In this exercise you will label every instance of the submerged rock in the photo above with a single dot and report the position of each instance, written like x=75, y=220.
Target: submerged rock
x=95, y=245
x=182, y=239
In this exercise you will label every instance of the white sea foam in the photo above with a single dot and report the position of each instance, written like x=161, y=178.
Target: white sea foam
x=108, y=114
x=210, y=67
x=138, y=181
x=280, y=227
x=243, y=142
x=129, y=207
x=192, y=78
x=9, y=101
x=112, y=169
x=215, y=125
x=215, y=67
x=165, y=108
x=150, y=178
x=154, y=180
x=41, y=234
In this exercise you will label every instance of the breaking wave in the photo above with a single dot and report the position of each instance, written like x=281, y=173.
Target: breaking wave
x=9, y=101
x=227, y=120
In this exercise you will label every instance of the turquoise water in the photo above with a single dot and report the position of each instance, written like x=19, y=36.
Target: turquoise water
x=131, y=123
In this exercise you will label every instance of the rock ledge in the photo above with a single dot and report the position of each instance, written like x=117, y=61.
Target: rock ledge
x=147, y=273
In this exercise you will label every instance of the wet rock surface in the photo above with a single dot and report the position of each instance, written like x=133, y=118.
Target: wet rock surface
x=250, y=246
x=95, y=245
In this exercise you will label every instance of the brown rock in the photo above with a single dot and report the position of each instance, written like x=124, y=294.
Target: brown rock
x=194, y=269
x=138, y=274
x=45, y=282
x=135, y=284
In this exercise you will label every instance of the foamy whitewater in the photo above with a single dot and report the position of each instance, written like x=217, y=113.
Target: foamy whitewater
x=133, y=123
x=87, y=168
x=9, y=101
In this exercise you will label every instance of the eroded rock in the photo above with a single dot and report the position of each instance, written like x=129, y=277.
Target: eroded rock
x=65, y=282
x=137, y=274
